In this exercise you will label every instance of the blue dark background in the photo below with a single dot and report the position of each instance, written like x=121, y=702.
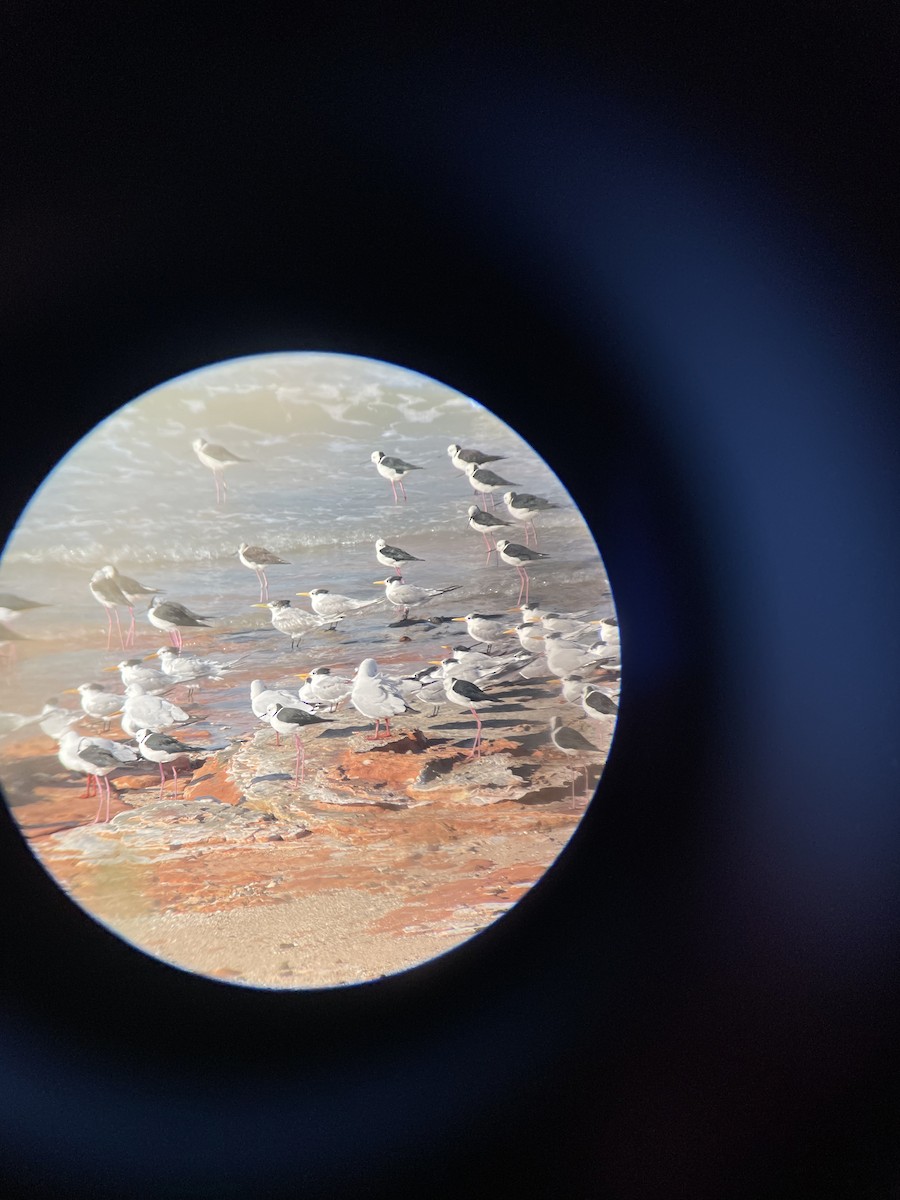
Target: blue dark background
x=664, y=246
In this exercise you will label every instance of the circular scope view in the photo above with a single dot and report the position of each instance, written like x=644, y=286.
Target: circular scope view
x=309, y=669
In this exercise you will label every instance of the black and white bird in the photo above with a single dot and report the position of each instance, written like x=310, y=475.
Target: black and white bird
x=486, y=628
x=95, y=758
x=294, y=622
x=132, y=591
x=408, y=595
x=171, y=618
x=217, y=458
x=163, y=748
x=392, y=469
x=467, y=695
x=572, y=743
x=393, y=557
x=461, y=458
x=332, y=606
x=522, y=506
x=12, y=607
x=596, y=703
x=108, y=593
x=288, y=720
x=520, y=557
x=321, y=686
x=487, y=524
x=261, y=696
x=376, y=697
x=97, y=702
x=257, y=558
x=486, y=482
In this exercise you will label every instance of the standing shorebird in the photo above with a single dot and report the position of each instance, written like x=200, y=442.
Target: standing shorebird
x=257, y=558
x=132, y=591
x=262, y=696
x=172, y=618
x=293, y=622
x=142, y=711
x=377, y=698
x=332, y=606
x=392, y=469
x=321, y=687
x=485, y=627
x=461, y=458
x=108, y=593
x=468, y=695
x=217, y=458
x=483, y=522
x=162, y=748
x=284, y=719
x=522, y=506
x=97, y=702
x=393, y=557
x=519, y=556
x=96, y=758
x=574, y=744
x=486, y=482
x=408, y=595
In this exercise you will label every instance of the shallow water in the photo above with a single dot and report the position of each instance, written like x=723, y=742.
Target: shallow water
x=133, y=494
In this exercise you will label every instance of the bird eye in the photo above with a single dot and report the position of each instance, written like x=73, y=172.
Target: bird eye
x=276, y=744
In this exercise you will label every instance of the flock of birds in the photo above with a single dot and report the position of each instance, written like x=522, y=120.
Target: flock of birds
x=579, y=652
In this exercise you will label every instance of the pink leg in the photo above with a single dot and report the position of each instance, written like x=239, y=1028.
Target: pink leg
x=108, y=628
x=394, y=490
x=476, y=745
x=300, y=763
x=162, y=781
x=373, y=737
x=521, y=585
x=96, y=779
x=175, y=781
x=402, y=489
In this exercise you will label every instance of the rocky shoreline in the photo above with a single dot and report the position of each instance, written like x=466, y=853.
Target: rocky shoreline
x=389, y=853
